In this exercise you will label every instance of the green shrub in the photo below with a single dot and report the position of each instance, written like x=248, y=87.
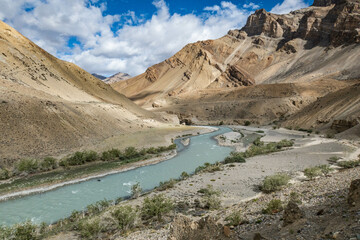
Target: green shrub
x=333, y=159
x=166, y=185
x=349, y=164
x=156, y=206
x=97, y=207
x=25, y=231
x=184, y=175
x=4, y=174
x=90, y=229
x=274, y=182
x=247, y=123
x=274, y=206
x=207, y=167
x=136, y=190
x=111, y=155
x=234, y=219
x=235, y=157
x=125, y=217
x=295, y=197
x=131, y=152
x=212, y=202
x=313, y=172
x=48, y=163
x=330, y=135
x=27, y=165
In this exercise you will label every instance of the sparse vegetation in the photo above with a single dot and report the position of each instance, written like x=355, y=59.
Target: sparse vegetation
x=235, y=157
x=274, y=182
x=136, y=190
x=156, y=207
x=211, y=198
x=184, y=175
x=234, y=219
x=90, y=229
x=274, y=206
x=349, y=164
x=317, y=171
x=166, y=185
x=333, y=159
x=125, y=217
x=207, y=167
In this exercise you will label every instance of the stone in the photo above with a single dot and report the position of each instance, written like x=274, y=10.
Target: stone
x=227, y=231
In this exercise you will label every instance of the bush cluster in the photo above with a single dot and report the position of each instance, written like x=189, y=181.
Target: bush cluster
x=274, y=206
x=156, y=207
x=316, y=171
x=274, y=182
x=207, y=167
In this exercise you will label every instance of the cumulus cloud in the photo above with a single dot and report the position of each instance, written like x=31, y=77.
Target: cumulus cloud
x=288, y=6
x=251, y=5
x=138, y=44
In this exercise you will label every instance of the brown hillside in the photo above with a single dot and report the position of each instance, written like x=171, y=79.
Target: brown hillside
x=318, y=44
x=48, y=106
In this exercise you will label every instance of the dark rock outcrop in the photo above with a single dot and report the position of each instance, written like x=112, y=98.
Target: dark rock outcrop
x=354, y=194
x=292, y=213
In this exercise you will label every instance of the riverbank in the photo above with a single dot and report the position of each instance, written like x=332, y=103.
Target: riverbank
x=54, y=179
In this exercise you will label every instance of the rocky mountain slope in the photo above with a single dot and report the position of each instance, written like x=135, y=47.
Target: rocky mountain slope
x=317, y=46
x=116, y=78
x=49, y=106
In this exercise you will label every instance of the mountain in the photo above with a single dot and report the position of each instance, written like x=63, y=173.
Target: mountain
x=116, y=78
x=98, y=76
x=49, y=106
x=269, y=70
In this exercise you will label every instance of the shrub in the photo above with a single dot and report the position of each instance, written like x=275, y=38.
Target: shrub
x=166, y=185
x=97, y=207
x=295, y=197
x=207, y=167
x=4, y=174
x=313, y=172
x=349, y=164
x=274, y=183
x=136, y=190
x=156, y=206
x=111, y=155
x=80, y=158
x=330, y=135
x=247, y=123
x=274, y=206
x=49, y=163
x=234, y=219
x=90, y=229
x=212, y=202
x=125, y=217
x=184, y=175
x=27, y=165
x=235, y=157
x=209, y=191
x=25, y=231
x=131, y=152
x=333, y=159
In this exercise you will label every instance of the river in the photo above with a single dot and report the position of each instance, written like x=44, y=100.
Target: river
x=53, y=205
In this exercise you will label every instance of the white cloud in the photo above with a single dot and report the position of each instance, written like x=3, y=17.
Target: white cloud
x=137, y=45
x=251, y=5
x=288, y=6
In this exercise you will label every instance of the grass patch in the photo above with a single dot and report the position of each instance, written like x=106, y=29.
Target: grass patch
x=321, y=170
x=349, y=164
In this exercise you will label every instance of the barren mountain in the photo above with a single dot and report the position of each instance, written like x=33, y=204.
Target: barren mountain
x=270, y=58
x=48, y=106
x=98, y=76
x=117, y=77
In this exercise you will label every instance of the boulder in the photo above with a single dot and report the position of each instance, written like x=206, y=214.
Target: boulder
x=354, y=194
x=292, y=213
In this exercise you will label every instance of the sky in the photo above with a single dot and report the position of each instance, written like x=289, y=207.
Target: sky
x=110, y=36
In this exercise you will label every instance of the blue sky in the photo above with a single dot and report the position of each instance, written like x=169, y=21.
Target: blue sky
x=110, y=36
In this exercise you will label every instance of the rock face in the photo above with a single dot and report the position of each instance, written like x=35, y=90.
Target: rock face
x=314, y=46
x=354, y=194
x=98, y=76
x=292, y=213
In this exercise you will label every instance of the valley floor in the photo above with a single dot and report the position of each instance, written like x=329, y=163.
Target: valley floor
x=238, y=184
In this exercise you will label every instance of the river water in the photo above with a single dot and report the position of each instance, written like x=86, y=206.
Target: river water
x=53, y=205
